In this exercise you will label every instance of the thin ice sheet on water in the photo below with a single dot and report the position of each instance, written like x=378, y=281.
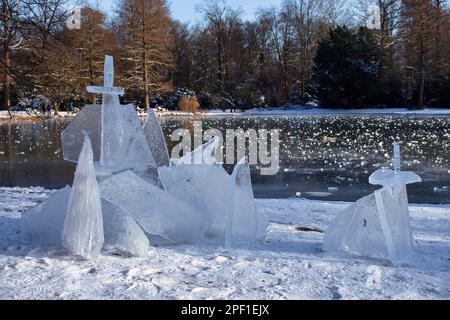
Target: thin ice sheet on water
x=156, y=211
x=155, y=140
x=83, y=226
x=122, y=233
x=89, y=121
x=44, y=223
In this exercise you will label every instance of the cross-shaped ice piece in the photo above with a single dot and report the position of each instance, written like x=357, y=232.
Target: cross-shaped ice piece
x=108, y=81
x=387, y=178
x=392, y=208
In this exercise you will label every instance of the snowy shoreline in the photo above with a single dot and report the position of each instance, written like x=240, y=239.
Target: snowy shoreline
x=289, y=264
x=24, y=116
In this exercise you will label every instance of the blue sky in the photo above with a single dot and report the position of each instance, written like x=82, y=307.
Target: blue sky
x=184, y=10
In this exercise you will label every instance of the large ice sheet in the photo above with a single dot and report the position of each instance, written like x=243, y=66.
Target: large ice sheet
x=89, y=121
x=44, y=223
x=392, y=205
x=206, y=188
x=155, y=139
x=357, y=230
x=156, y=211
x=124, y=145
x=122, y=233
x=246, y=224
x=375, y=226
x=83, y=226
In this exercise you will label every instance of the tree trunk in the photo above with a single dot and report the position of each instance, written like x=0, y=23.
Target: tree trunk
x=6, y=58
x=420, y=101
x=145, y=80
x=144, y=61
x=7, y=79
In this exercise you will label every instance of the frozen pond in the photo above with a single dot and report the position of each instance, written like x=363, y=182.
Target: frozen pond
x=324, y=157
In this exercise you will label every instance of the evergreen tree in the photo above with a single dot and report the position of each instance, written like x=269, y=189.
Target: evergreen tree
x=347, y=67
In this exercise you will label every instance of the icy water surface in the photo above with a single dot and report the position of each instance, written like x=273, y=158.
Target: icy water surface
x=325, y=157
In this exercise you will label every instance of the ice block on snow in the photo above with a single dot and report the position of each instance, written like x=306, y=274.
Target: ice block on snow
x=378, y=225
x=357, y=230
x=206, y=188
x=244, y=224
x=156, y=211
x=83, y=226
x=122, y=233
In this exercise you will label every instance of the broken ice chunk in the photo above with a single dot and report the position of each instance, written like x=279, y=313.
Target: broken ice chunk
x=155, y=139
x=206, y=188
x=124, y=145
x=44, y=223
x=392, y=204
x=156, y=211
x=375, y=226
x=357, y=230
x=244, y=223
x=89, y=121
x=83, y=226
x=122, y=233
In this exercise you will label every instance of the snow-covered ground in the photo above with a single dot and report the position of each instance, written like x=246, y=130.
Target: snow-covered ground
x=290, y=264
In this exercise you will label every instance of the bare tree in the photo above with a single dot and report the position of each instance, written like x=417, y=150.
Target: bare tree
x=145, y=36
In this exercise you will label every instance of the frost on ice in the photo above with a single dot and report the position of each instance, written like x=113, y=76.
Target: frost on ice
x=83, y=226
x=43, y=224
x=156, y=211
x=377, y=225
x=122, y=233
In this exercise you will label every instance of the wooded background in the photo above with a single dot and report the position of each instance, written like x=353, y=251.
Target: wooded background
x=303, y=52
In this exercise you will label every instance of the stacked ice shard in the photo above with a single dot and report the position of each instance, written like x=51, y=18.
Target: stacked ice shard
x=156, y=211
x=226, y=203
x=83, y=225
x=243, y=223
x=128, y=194
x=119, y=142
x=377, y=225
x=123, y=234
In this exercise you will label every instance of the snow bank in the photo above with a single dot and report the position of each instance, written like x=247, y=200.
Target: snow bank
x=290, y=264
